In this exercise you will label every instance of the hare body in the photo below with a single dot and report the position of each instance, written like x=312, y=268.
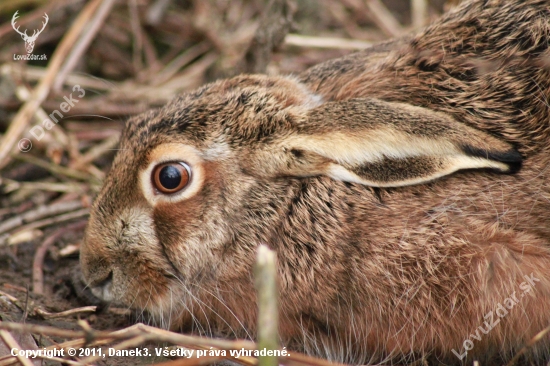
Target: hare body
x=349, y=172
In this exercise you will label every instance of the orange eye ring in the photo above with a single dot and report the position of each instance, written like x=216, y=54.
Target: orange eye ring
x=172, y=177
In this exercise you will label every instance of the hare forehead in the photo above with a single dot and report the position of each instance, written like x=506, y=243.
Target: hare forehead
x=211, y=120
x=254, y=90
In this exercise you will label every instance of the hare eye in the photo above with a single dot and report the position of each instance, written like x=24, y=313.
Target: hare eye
x=171, y=177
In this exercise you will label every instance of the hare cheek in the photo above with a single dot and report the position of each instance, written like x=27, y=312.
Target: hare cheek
x=175, y=225
x=188, y=237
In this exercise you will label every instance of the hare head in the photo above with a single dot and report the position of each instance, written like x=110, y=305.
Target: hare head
x=214, y=170
x=381, y=211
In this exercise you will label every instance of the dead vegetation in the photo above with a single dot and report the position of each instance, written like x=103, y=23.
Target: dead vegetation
x=108, y=60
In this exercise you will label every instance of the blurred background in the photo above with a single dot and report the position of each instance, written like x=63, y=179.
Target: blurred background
x=95, y=63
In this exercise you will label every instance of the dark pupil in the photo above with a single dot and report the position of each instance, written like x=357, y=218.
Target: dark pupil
x=169, y=177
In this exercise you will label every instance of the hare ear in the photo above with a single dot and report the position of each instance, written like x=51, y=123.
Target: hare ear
x=385, y=144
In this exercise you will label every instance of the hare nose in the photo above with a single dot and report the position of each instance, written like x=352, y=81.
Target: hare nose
x=102, y=287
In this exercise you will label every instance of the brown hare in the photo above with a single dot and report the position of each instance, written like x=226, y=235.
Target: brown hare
x=405, y=190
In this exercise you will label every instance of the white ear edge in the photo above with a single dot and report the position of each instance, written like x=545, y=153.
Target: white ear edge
x=454, y=163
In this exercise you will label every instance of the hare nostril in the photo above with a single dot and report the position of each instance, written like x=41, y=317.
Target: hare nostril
x=103, y=281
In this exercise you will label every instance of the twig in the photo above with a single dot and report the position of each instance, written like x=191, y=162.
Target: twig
x=23, y=237
x=33, y=73
x=180, y=61
x=302, y=359
x=275, y=24
x=141, y=332
x=105, y=106
x=12, y=185
x=191, y=77
x=24, y=94
x=63, y=314
x=94, y=135
x=39, y=213
x=540, y=335
x=26, y=308
x=86, y=37
x=384, y=18
x=129, y=343
x=40, y=93
x=77, y=343
x=15, y=287
x=130, y=332
x=61, y=360
x=97, y=151
x=137, y=46
x=151, y=59
x=156, y=11
x=47, y=222
x=186, y=340
x=206, y=360
x=12, y=343
x=419, y=12
x=11, y=298
x=32, y=16
x=338, y=11
x=58, y=332
x=56, y=169
x=188, y=78
x=268, y=309
x=40, y=254
x=69, y=250
x=325, y=42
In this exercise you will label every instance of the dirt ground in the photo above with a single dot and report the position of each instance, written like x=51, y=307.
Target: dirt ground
x=60, y=295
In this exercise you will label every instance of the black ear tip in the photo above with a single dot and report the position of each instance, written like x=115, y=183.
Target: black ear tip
x=510, y=157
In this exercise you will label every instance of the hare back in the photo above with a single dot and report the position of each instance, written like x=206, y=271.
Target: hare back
x=486, y=63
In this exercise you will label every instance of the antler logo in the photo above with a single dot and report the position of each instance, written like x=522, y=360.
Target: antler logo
x=29, y=41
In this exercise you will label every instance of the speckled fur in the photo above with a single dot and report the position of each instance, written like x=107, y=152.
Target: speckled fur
x=366, y=274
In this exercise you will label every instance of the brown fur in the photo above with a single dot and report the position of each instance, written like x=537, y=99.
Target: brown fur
x=365, y=273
